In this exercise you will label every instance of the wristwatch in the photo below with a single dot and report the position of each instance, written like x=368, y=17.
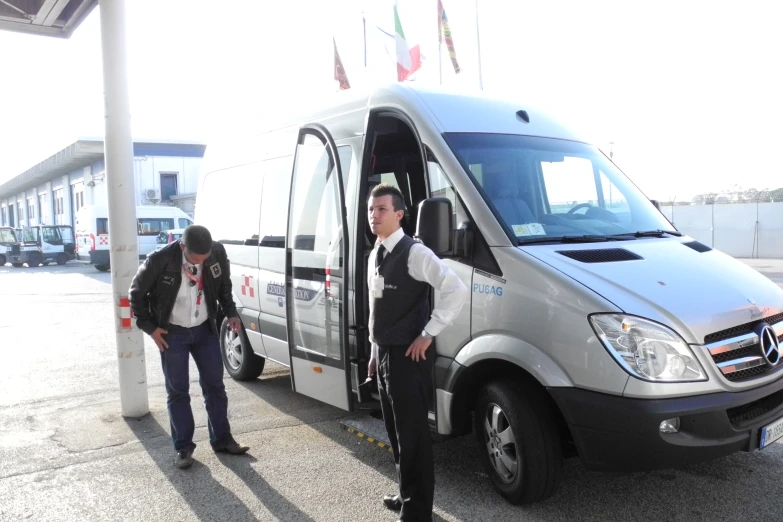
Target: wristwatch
x=427, y=335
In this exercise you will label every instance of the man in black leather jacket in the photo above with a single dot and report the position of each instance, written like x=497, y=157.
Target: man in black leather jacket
x=174, y=297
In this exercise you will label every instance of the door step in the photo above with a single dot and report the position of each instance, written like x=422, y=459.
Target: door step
x=369, y=429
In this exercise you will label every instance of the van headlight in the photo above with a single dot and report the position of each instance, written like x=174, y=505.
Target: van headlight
x=647, y=350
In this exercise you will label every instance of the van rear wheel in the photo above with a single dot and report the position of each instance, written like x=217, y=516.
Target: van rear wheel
x=518, y=441
x=102, y=268
x=3, y=260
x=241, y=363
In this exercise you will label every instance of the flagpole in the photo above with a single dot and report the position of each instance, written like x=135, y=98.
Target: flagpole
x=440, y=45
x=364, y=28
x=478, y=44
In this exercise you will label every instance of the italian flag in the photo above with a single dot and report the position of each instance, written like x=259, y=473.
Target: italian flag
x=408, y=58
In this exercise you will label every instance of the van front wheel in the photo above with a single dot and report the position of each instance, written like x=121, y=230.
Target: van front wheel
x=518, y=441
x=238, y=357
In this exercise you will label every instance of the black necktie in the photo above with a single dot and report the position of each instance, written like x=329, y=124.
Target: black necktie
x=379, y=255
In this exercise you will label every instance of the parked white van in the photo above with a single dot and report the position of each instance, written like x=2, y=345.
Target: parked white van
x=92, y=231
x=594, y=328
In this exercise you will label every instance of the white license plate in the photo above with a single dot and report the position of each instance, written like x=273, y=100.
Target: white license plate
x=771, y=433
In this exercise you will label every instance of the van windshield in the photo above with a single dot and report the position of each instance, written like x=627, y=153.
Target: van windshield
x=542, y=188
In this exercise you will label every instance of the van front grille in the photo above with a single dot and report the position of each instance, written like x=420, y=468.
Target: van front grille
x=15, y=250
x=740, y=357
x=739, y=330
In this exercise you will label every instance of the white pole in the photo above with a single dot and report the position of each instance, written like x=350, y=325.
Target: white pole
x=123, y=239
x=478, y=45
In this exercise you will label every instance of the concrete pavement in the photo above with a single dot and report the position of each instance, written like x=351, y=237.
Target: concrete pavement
x=67, y=454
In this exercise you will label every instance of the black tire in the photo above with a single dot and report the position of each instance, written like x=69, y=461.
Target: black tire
x=241, y=363
x=536, y=441
x=18, y=265
x=3, y=260
x=62, y=259
x=45, y=263
x=34, y=260
x=102, y=268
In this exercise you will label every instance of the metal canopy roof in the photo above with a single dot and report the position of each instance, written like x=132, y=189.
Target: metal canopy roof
x=83, y=152
x=76, y=155
x=58, y=18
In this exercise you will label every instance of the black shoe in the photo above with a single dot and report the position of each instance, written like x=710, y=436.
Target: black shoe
x=184, y=459
x=392, y=502
x=232, y=447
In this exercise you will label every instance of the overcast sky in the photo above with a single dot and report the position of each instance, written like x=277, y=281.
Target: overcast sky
x=689, y=92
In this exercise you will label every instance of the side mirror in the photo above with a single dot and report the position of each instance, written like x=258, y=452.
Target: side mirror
x=434, y=226
x=656, y=203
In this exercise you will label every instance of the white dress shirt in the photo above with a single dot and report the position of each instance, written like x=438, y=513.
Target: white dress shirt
x=184, y=311
x=426, y=267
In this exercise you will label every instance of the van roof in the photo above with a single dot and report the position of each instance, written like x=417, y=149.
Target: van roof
x=450, y=110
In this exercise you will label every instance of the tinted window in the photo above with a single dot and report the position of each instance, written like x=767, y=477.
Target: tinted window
x=184, y=223
x=102, y=225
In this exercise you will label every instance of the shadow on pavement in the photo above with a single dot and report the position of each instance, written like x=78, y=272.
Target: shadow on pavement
x=200, y=489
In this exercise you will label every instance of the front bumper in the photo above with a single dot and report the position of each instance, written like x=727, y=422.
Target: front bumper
x=622, y=434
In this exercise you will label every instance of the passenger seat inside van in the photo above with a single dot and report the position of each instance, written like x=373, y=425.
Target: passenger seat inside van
x=515, y=211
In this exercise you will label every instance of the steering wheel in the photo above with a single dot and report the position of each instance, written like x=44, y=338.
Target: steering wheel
x=578, y=207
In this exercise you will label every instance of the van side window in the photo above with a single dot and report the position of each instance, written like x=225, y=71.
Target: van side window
x=615, y=202
x=440, y=186
x=274, y=202
x=231, y=199
x=102, y=225
x=153, y=226
x=184, y=223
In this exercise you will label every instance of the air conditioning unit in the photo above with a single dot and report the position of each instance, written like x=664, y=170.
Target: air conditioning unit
x=152, y=194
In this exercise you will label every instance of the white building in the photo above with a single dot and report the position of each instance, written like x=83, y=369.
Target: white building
x=53, y=190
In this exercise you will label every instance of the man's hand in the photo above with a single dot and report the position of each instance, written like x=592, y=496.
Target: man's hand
x=235, y=324
x=372, y=367
x=157, y=336
x=418, y=348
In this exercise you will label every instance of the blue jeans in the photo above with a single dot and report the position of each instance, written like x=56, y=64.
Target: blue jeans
x=203, y=344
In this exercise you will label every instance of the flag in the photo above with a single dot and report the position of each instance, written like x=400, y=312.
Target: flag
x=408, y=58
x=339, y=70
x=444, y=33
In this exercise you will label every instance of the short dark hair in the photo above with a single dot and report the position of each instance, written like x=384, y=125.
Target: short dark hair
x=387, y=189
x=197, y=239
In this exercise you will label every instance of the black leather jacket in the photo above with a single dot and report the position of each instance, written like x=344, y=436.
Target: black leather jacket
x=155, y=286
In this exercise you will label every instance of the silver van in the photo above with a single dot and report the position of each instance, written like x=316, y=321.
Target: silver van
x=594, y=328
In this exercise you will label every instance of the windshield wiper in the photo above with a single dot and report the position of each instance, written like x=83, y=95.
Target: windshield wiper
x=652, y=233
x=577, y=239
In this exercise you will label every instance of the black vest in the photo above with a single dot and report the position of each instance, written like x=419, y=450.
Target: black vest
x=401, y=314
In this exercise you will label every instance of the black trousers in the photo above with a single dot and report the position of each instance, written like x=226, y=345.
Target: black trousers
x=404, y=388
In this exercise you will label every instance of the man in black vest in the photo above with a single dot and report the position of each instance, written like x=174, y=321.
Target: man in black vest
x=400, y=273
